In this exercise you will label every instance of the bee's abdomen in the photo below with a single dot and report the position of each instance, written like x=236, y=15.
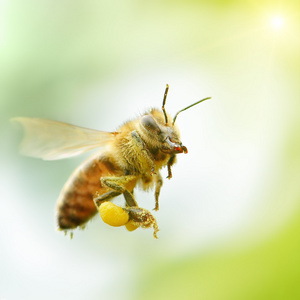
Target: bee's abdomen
x=75, y=205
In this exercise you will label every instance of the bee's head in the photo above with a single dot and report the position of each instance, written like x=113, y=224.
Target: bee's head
x=160, y=130
x=160, y=135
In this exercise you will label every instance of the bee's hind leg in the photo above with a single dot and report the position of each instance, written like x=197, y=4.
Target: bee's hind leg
x=118, y=186
x=139, y=217
x=105, y=197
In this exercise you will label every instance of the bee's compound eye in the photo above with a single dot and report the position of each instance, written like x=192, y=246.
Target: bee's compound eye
x=149, y=123
x=113, y=215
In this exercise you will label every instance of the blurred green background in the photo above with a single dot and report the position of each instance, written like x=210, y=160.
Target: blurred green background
x=229, y=218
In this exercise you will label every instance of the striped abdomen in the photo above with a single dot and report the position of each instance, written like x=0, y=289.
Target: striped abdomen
x=75, y=205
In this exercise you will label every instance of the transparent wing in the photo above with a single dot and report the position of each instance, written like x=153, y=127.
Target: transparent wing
x=52, y=140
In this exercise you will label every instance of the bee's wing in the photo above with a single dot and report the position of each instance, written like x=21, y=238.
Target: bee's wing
x=52, y=140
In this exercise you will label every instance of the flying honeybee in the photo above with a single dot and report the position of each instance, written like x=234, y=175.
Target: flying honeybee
x=129, y=157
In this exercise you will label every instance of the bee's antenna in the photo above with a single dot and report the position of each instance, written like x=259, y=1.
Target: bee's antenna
x=174, y=119
x=164, y=102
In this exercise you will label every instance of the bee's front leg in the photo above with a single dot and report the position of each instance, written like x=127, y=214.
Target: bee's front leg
x=171, y=162
x=158, y=185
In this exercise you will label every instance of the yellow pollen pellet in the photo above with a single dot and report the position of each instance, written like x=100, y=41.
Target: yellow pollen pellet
x=113, y=215
x=131, y=225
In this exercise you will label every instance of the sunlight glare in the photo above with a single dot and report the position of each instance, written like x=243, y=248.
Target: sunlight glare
x=277, y=22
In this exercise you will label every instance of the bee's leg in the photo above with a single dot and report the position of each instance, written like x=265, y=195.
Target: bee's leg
x=130, y=201
x=105, y=197
x=121, y=185
x=169, y=171
x=158, y=185
x=141, y=217
x=171, y=162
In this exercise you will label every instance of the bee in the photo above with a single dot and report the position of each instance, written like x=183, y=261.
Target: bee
x=129, y=157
